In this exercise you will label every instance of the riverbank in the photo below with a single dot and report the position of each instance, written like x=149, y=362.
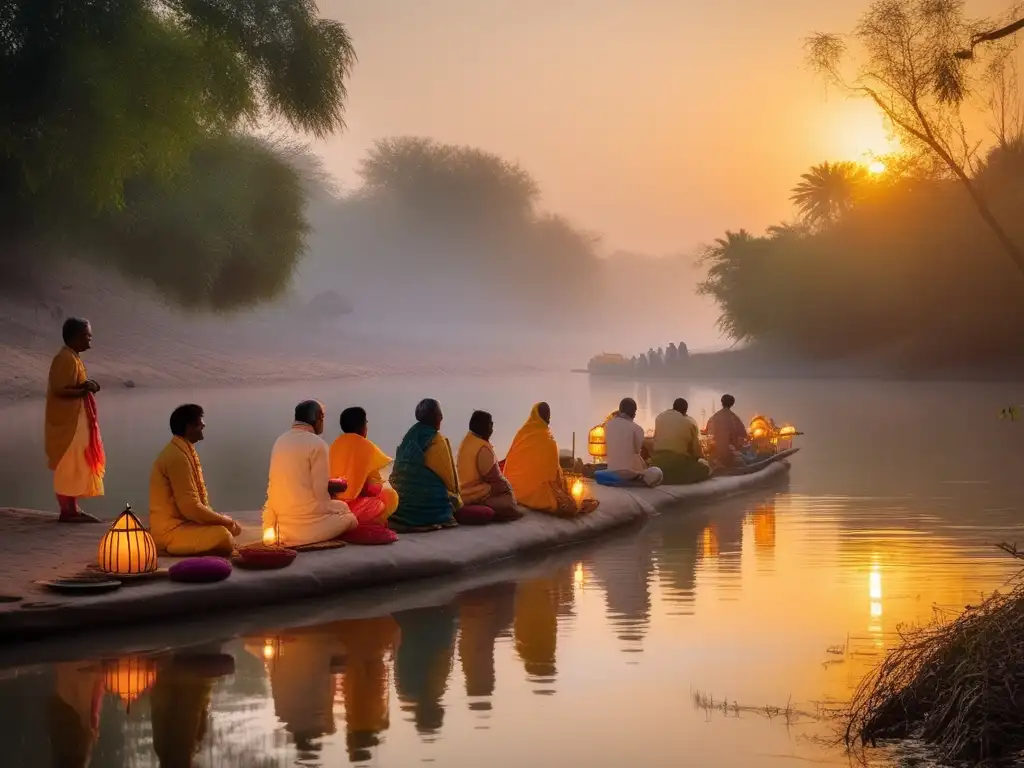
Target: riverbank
x=35, y=548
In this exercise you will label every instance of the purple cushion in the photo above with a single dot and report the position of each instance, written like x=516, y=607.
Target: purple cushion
x=370, y=534
x=200, y=570
x=475, y=514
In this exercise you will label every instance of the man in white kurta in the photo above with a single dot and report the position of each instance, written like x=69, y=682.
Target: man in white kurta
x=624, y=439
x=299, y=503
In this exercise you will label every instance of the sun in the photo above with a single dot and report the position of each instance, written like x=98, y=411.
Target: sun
x=876, y=167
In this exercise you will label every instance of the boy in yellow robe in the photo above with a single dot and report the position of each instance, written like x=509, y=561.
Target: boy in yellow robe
x=180, y=516
x=74, y=448
x=357, y=460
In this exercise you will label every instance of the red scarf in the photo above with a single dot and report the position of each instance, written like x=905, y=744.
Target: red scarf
x=95, y=456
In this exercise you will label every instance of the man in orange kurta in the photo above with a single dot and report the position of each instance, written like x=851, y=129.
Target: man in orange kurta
x=355, y=459
x=180, y=516
x=74, y=448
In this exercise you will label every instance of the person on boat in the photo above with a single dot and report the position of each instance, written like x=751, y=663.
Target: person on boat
x=534, y=471
x=480, y=477
x=624, y=440
x=642, y=365
x=425, y=476
x=74, y=448
x=299, y=504
x=677, y=449
x=671, y=357
x=357, y=460
x=653, y=364
x=729, y=435
x=180, y=516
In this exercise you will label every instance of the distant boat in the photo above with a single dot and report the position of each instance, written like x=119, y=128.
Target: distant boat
x=610, y=363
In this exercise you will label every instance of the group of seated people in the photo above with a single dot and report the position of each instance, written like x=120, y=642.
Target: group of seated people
x=676, y=456
x=318, y=493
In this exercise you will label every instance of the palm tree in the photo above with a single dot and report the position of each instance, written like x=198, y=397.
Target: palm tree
x=827, y=191
x=726, y=281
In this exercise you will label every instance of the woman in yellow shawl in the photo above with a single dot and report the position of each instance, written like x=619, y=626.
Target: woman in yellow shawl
x=357, y=460
x=533, y=470
x=480, y=478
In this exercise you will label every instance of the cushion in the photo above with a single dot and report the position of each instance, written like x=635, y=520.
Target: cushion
x=200, y=570
x=475, y=514
x=614, y=480
x=266, y=558
x=370, y=534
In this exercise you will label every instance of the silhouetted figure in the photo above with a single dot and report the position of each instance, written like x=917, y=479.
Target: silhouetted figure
x=652, y=361
x=684, y=352
x=671, y=357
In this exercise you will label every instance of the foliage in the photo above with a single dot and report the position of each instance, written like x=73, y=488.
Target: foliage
x=828, y=190
x=954, y=685
x=124, y=135
x=906, y=275
x=100, y=91
x=225, y=234
x=906, y=64
x=458, y=226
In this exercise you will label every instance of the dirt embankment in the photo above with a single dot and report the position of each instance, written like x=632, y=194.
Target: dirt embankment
x=139, y=342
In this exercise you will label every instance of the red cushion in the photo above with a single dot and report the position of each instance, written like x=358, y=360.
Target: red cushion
x=370, y=534
x=475, y=514
x=200, y=570
x=372, y=489
x=266, y=558
x=507, y=515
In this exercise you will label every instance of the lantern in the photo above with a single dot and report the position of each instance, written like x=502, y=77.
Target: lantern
x=127, y=548
x=596, y=446
x=130, y=677
x=760, y=427
x=787, y=431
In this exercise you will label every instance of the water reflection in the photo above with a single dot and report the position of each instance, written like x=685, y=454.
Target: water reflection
x=485, y=614
x=423, y=663
x=538, y=604
x=366, y=681
x=180, y=705
x=74, y=713
x=766, y=599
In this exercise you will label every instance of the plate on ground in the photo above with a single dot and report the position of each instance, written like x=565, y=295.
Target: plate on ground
x=82, y=584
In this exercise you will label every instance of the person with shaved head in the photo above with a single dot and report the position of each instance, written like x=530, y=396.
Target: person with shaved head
x=299, y=504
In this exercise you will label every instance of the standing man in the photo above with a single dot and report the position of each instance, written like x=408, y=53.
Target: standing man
x=74, y=448
x=624, y=440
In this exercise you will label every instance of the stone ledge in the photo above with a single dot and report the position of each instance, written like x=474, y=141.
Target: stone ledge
x=37, y=542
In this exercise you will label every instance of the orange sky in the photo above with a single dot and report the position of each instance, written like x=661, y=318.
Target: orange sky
x=657, y=123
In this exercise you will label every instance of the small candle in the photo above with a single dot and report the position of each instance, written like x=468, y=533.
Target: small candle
x=577, y=491
x=268, y=650
x=269, y=537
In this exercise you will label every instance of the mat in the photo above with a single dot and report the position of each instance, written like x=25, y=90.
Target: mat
x=333, y=544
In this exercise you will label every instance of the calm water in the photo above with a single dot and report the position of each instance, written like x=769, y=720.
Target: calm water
x=601, y=655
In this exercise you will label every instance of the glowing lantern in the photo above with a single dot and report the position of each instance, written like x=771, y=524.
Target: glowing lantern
x=127, y=548
x=270, y=537
x=787, y=431
x=760, y=427
x=596, y=446
x=130, y=677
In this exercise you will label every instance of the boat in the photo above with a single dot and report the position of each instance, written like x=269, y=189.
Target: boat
x=610, y=364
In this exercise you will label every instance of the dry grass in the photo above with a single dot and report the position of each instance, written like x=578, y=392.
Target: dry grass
x=958, y=685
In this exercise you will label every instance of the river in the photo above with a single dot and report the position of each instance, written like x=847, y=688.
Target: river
x=619, y=652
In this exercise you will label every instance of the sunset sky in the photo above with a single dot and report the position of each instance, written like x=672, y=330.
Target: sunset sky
x=657, y=123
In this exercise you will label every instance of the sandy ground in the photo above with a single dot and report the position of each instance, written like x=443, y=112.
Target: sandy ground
x=139, y=342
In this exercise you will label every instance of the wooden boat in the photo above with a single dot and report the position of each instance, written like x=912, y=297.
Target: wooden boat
x=757, y=466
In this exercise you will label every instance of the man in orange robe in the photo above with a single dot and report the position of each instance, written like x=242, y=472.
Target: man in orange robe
x=74, y=448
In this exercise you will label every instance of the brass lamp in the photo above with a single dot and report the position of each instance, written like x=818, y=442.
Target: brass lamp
x=596, y=445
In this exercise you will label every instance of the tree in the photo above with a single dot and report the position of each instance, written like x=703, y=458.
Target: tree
x=99, y=91
x=908, y=69
x=827, y=191
x=728, y=282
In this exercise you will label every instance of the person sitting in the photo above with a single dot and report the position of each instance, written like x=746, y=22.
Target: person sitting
x=729, y=435
x=299, y=504
x=677, y=449
x=355, y=458
x=480, y=478
x=180, y=517
x=424, y=475
x=624, y=440
x=534, y=471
